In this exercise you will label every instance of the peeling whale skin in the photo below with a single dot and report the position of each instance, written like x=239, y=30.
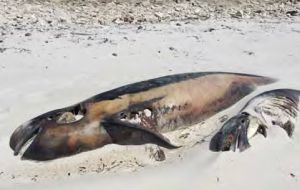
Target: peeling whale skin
x=275, y=108
x=134, y=114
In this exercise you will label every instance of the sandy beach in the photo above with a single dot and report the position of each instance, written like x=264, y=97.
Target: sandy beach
x=44, y=68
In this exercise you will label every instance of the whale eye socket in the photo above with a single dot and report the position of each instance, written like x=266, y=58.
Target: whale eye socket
x=243, y=121
x=244, y=117
x=123, y=115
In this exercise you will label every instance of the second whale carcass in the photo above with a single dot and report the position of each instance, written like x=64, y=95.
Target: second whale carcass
x=273, y=108
x=134, y=114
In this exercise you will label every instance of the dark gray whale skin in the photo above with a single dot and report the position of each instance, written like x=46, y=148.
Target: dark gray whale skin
x=134, y=114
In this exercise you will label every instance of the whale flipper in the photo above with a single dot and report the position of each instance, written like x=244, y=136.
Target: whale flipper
x=125, y=133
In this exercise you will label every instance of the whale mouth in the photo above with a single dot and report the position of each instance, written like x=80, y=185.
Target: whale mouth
x=24, y=135
x=25, y=146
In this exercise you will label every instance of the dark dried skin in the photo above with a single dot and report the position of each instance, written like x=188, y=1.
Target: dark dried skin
x=157, y=105
x=280, y=105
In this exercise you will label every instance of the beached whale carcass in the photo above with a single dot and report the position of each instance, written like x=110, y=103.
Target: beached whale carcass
x=278, y=107
x=133, y=114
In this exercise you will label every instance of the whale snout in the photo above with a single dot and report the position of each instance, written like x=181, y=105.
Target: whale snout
x=232, y=135
x=23, y=134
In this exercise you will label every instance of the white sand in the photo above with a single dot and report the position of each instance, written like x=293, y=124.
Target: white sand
x=36, y=77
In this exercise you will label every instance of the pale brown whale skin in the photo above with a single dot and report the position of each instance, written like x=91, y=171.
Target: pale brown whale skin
x=134, y=114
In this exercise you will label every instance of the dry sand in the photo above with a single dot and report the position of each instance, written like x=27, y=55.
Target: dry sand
x=44, y=70
x=61, y=14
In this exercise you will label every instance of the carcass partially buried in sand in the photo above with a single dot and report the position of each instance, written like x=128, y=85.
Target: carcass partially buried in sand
x=273, y=108
x=134, y=114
